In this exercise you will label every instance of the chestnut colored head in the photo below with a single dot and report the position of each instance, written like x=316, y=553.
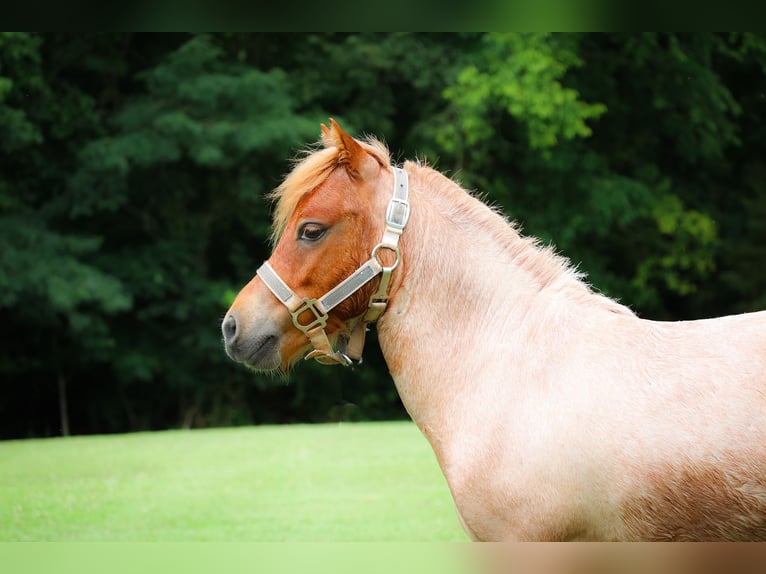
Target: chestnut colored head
x=328, y=217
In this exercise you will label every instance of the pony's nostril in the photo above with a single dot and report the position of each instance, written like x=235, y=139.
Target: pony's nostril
x=229, y=328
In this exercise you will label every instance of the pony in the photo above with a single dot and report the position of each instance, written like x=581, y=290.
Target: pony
x=555, y=413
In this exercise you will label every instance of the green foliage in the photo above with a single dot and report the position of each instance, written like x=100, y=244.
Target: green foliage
x=693, y=103
x=520, y=75
x=197, y=109
x=19, y=55
x=26, y=273
x=688, y=259
x=133, y=170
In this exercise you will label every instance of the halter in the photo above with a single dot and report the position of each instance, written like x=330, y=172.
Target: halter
x=397, y=214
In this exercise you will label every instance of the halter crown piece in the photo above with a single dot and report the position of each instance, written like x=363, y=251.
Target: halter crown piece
x=397, y=215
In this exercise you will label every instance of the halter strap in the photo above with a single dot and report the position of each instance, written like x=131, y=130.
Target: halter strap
x=397, y=215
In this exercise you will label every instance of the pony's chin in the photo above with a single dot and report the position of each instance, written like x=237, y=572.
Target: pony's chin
x=264, y=355
x=263, y=366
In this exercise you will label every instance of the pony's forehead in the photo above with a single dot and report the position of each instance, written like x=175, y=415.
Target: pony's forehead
x=310, y=172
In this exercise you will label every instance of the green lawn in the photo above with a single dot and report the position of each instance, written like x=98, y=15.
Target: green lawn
x=340, y=482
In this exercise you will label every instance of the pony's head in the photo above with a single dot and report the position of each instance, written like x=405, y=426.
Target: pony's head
x=328, y=219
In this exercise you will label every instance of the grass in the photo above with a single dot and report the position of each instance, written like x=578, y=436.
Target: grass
x=303, y=483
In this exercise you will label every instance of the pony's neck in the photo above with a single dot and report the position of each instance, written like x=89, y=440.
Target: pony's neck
x=468, y=256
x=469, y=283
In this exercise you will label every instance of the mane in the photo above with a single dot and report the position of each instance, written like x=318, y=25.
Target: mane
x=542, y=262
x=312, y=167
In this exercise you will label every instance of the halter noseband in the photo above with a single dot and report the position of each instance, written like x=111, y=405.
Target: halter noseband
x=397, y=214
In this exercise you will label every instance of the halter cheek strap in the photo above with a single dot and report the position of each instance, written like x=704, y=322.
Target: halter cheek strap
x=397, y=215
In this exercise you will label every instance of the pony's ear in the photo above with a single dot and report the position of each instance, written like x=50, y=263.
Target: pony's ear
x=351, y=154
x=327, y=139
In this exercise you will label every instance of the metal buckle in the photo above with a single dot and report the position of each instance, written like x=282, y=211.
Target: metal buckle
x=320, y=319
x=336, y=358
x=397, y=213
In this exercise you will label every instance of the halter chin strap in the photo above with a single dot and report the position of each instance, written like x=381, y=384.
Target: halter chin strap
x=397, y=214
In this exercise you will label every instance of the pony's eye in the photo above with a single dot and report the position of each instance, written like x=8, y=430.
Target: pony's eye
x=312, y=231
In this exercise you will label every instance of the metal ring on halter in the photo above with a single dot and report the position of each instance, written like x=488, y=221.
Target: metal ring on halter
x=394, y=248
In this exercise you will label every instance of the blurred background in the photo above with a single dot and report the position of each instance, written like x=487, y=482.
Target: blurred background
x=133, y=169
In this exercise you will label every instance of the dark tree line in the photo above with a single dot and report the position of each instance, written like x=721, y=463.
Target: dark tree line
x=133, y=169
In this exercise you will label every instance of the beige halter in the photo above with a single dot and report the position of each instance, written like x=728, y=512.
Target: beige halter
x=397, y=214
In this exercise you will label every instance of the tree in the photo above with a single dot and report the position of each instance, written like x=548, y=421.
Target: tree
x=54, y=300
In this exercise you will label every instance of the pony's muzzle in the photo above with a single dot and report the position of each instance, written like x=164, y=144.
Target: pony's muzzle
x=258, y=348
